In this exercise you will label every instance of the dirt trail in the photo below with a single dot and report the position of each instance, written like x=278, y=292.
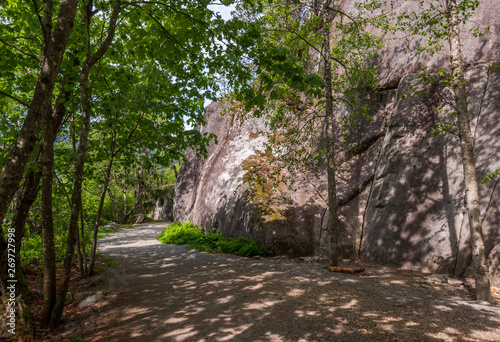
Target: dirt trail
x=166, y=293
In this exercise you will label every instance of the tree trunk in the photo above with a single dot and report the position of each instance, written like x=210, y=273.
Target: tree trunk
x=116, y=210
x=125, y=212
x=32, y=180
x=81, y=246
x=481, y=273
x=49, y=253
x=26, y=198
x=18, y=158
x=176, y=174
x=330, y=141
x=75, y=199
x=141, y=214
x=101, y=205
x=90, y=60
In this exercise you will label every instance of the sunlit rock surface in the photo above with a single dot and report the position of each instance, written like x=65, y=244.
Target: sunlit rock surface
x=217, y=192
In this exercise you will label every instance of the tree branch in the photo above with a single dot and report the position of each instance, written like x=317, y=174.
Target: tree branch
x=22, y=51
x=151, y=15
x=128, y=138
x=39, y=18
x=343, y=13
x=200, y=22
x=15, y=99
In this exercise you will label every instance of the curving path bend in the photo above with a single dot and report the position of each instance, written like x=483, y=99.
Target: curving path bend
x=167, y=293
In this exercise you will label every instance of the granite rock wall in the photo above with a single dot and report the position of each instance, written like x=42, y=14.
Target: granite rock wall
x=400, y=191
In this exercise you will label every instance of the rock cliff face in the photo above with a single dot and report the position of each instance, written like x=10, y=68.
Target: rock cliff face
x=218, y=194
x=400, y=189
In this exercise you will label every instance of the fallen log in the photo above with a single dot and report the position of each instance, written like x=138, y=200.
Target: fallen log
x=346, y=269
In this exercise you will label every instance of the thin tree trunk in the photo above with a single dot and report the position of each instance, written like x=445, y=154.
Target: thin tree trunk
x=75, y=202
x=136, y=203
x=32, y=180
x=481, y=273
x=81, y=246
x=90, y=60
x=26, y=198
x=141, y=215
x=175, y=170
x=79, y=254
x=116, y=210
x=125, y=213
x=330, y=141
x=101, y=204
x=18, y=158
x=49, y=253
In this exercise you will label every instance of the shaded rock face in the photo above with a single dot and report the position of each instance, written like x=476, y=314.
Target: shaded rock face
x=400, y=189
x=163, y=209
x=416, y=214
x=395, y=63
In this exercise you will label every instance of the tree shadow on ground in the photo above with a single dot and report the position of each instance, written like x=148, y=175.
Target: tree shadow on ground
x=173, y=294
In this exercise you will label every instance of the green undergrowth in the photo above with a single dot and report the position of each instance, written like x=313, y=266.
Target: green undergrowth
x=103, y=231
x=110, y=262
x=187, y=233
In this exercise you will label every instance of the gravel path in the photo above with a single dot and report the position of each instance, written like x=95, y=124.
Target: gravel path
x=166, y=293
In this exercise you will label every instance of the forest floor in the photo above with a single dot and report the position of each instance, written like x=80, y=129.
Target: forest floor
x=167, y=293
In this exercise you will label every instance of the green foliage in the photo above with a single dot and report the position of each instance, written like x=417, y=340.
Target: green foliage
x=190, y=234
x=110, y=262
x=32, y=250
x=75, y=339
x=180, y=234
x=490, y=176
x=163, y=64
x=290, y=78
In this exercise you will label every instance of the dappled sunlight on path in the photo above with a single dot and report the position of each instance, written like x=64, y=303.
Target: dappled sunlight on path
x=172, y=294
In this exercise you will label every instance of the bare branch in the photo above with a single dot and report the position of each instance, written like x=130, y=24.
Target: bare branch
x=343, y=13
x=316, y=189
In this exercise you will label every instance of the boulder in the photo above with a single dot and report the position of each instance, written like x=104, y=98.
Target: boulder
x=91, y=300
x=435, y=279
x=455, y=282
x=163, y=209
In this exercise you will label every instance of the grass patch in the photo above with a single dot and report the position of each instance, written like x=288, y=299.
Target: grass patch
x=75, y=339
x=190, y=234
x=110, y=262
x=101, y=234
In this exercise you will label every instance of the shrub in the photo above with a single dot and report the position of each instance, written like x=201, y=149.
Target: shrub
x=32, y=248
x=180, y=234
x=190, y=234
